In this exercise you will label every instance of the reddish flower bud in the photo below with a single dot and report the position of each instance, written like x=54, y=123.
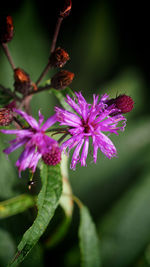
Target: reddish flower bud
x=52, y=157
x=62, y=79
x=11, y=105
x=6, y=116
x=58, y=58
x=6, y=29
x=123, y=102
x=21, y=76
x=66, y=9
x=22, y=82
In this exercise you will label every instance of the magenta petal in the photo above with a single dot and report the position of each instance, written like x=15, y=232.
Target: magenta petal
x=24, y=160
x=17, y=132
x=67, y=117
x=52, y=120
x=104, y=98
x=41, y=118
x=84, y=106
x=15, y=146
x=34, y=138
x=73, y=105
x=32, y=122
x=95, y=149
x=84, y=152
x=76, y=157
x=106, y=145
x=34, y=161
x=89, y=121
x=73, y=141
x=67, y=144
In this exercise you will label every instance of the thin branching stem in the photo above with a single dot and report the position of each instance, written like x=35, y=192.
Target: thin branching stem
x=44, y=72
x=53, y=45
x=62, y=138
x=8, y=55
x=40, y=89
x=56, y=32
x=9, y=92
x=58, y=129
x=18, y=122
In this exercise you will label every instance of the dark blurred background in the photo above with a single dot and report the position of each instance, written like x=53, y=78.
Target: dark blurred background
x=108, y=43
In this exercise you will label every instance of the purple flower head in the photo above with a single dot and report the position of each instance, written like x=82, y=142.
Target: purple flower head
x=89, y=121
x=36, y=142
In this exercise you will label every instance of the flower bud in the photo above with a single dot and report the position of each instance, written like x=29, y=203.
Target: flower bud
x=6, y=29
x=6, y=116
x=11, y=105
x=66, y=9
x=58, y=58
x=22, y=82
x=123, y=102
x=62, y=79
x=53, y=157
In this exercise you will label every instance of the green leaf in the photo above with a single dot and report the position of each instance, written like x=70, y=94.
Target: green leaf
x=66, y=203
x=61, y=94
x=89, y=242
x=16, y=205
x=47, y=203
x=125, y=228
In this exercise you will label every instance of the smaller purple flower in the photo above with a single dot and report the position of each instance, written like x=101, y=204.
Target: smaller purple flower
x=36, y=142
x=89, y=121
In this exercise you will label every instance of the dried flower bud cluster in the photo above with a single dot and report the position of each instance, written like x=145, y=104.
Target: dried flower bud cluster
x=6, y=29
x=22, y=82
x=62, y=79
x=66, y=9
x=58, y=58
x=6, y=116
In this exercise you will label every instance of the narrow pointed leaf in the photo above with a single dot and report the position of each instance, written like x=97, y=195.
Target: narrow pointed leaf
x=66, y=204
x=47, y=203
x=16, y=205
x=61, y=94
x=89, y=242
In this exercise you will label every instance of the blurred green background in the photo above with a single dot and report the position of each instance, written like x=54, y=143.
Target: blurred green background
x=108, y=46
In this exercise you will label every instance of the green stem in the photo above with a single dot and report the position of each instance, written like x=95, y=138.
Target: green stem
x=40, y=89
x=44, y=72
x=75, y=199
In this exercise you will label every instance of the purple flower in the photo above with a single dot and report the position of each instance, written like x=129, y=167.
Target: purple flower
x=89, y=120
x=36, y=142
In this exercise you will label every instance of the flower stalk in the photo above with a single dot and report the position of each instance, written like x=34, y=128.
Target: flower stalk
x=8, y=55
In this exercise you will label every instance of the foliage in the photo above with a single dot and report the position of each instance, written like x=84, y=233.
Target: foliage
x=116, y=192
